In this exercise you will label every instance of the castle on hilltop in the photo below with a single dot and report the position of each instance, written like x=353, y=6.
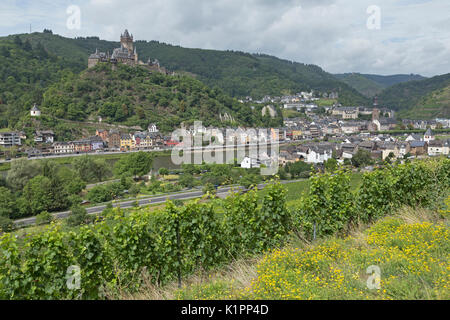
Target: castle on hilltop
x=126, y=54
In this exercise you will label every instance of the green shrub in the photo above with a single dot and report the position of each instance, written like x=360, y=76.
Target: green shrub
x=44, y=218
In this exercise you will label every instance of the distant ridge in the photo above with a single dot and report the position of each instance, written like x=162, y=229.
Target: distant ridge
x=372, y=84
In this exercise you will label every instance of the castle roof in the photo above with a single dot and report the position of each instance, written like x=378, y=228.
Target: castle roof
x=126, y=34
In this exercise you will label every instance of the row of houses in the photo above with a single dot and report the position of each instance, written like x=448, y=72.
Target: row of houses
x=114, y=140
x=355, y=112
x=298, y=130
x=379, y=149
x=14, y=138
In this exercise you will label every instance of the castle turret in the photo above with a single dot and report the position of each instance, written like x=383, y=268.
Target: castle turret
x=127, y=41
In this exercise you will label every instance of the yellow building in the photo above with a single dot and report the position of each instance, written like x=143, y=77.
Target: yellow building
x=126, y=142
x=296, y=134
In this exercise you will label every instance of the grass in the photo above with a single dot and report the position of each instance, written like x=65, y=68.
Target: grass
x=411, y=249
x=290, y=113
x=326, y=102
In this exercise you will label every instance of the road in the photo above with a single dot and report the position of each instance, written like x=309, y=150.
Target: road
x=221, y=192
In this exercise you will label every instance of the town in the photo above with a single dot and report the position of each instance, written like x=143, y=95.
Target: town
x=314, y=138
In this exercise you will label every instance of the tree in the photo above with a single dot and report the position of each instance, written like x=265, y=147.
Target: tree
x=187, y=180
x=209, y=190
x=298, y=168
x=78, y=216
x=44, y=218
x=163, y=171
x=99, y=194
x=362, y=158
x=136, y=164
x=38, y=192
x=90, y=170
x=249, y=180
x=71, y=181
x=21, y=172
x=6, y=224
x=7, y=203
x=134, y=190
x=331, y=165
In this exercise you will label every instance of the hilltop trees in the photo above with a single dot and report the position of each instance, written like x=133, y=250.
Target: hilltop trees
x=135, y=96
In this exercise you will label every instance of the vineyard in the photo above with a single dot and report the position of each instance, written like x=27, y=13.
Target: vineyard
x=174, y=242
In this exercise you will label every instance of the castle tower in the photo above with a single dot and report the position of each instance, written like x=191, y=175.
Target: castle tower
x=375, y=114
x=375, y=102
x=127, y=41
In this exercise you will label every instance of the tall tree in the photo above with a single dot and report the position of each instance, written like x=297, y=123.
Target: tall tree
x=21, y=172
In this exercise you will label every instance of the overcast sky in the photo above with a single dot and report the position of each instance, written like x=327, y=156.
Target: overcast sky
x=414, y=35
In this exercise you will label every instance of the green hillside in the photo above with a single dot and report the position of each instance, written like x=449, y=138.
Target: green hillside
x=135, y=96
x=372, y=84
x=419, y=99
x=435, y=104
x=238, y=74
x=391, y=80
x=25, y=73
x=48, y=70
x=359, y=82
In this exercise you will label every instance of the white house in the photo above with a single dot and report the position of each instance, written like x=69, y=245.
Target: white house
x=152, y=128
x=35, y=112
x=436, y=148
x=249, y=163
x=316, y=154
x=429, y=136
x=414, y=137
x=44, y=136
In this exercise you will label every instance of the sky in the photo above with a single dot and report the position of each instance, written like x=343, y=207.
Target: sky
x=367, y=36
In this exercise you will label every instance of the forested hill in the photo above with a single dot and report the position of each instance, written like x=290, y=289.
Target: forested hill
x=391, y=80
x=241, y=74
x=135, y=96
x=25, y=73
x=372, y=84
x=238, y=74
x=427, y=98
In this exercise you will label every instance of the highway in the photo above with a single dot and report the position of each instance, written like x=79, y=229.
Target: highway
x=221, y=192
